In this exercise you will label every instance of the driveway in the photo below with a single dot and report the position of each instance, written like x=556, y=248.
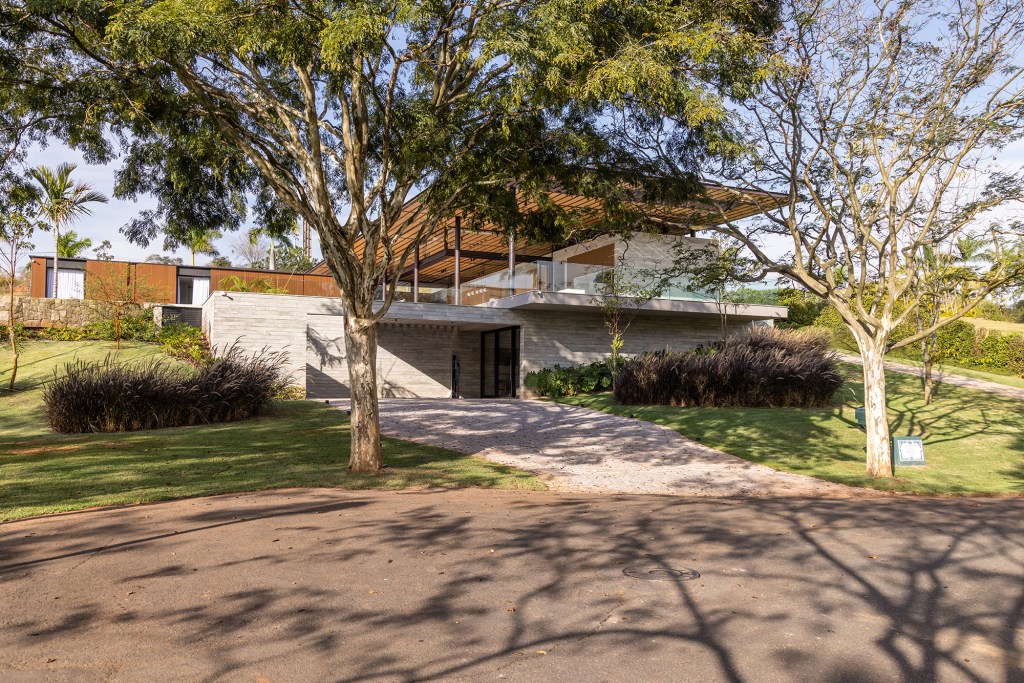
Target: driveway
x=476, y=585
x=578, y=449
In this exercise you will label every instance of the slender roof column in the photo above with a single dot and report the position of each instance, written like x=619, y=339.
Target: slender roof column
x=458, y=260
x=512, y=252
x=511, y=265
x=416, y=275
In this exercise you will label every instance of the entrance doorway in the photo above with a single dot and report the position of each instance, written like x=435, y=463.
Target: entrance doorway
x=499, y=363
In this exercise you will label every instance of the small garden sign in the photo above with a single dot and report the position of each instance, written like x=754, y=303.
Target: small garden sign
x=907, y=451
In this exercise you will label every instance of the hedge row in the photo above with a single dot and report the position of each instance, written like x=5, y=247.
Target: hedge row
x=959, y=343
x=119, y=397
x=763, y=368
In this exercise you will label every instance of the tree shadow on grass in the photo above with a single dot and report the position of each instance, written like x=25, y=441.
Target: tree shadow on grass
x=443, y=586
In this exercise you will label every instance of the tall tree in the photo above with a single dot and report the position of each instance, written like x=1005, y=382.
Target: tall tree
x=61, y=202
x=196, y=240
x=335, y=114
x=877, y=137
x=17, y=223
x=70, y=245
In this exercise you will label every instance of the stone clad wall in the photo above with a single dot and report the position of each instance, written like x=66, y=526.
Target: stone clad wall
x=35, y=312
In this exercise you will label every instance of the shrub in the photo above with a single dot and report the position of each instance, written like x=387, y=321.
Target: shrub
x=765, y=367
x=956, y=342
x=185, y=343
x=804, y=307
x=117, y=397
x=560, y=381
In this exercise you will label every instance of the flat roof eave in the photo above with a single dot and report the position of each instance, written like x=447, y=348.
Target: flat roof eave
x=537, y=300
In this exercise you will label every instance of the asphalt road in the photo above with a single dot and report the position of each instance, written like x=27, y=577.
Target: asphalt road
x=480, y=585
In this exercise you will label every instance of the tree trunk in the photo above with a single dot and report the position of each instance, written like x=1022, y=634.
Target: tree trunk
x=361, y=352
x=928, y=358
x=10, y=332
x=273, y=258
x=879, y=463
x=56, y=254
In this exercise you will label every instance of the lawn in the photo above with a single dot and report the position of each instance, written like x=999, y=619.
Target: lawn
x=1008, y=379
x=1001, y=325
x=298, y=443
x=974, y=441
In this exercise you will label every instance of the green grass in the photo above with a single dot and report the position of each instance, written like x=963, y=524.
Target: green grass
x=974, y=441
x=298, y=443
x=1001, y=325
x=1009, y=379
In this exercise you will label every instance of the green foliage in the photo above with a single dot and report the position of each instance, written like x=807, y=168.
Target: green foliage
x=830, y=321
x=185, y=342
x=804, y=307
x=571, y=380
x=70, y=245
x=262, y=285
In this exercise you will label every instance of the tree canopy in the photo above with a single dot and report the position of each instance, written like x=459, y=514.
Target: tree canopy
x=336, y=113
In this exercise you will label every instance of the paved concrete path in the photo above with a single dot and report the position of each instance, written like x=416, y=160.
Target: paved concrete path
x=946, y=377
x=474, y=585
x=578, y=449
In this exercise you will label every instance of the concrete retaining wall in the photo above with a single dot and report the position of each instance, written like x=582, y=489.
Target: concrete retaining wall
x=417, y=341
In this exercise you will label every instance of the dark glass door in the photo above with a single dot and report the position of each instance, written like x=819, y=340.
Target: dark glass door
x=499, y=363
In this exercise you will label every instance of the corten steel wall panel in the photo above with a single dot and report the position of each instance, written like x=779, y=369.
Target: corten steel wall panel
x=319, y=285
x=38, y=285
x=159, y=278
x=292, y=283
x=602, y=256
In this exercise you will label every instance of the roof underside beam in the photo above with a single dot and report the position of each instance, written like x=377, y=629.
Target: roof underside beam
x=439, y=256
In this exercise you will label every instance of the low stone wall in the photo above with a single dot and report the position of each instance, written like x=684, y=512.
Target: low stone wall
x=34, y=312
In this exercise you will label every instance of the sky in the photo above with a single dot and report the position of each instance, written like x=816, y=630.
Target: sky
x=106, y=219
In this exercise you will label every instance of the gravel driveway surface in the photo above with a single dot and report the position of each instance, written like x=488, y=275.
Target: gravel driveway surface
x=578, y=449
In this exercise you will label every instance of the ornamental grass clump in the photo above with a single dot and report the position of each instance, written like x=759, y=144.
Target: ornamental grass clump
x=764, y=367
x=121, y=397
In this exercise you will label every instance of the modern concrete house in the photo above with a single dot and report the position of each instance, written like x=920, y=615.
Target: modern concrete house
x=476, y=311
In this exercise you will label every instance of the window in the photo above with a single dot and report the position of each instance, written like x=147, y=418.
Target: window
x=193, y=290
x=70, y=283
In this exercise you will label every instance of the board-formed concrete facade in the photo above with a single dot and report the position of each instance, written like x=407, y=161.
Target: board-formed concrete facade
x=419, y=343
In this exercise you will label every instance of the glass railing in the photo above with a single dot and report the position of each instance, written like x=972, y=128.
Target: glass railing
x=538, y=276
x=560, y=276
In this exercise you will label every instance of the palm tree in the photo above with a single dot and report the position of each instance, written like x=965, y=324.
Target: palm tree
x=201, y=242
x=62, y=202
x=70, y=246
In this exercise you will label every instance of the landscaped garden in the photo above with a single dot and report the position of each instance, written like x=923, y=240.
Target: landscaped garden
x=974, y=441
x=296, y=443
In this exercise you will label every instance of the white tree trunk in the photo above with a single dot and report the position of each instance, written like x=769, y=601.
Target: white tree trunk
x=10, y=331
x=879, y=463
x=56, y=253
x=361, y=352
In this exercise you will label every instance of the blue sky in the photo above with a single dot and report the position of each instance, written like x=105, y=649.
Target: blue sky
x=106, y=219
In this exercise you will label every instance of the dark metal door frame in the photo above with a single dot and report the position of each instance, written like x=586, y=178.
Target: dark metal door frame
x=495, y=337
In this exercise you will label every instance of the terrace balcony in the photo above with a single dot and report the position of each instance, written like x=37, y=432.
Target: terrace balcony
x=541, y=275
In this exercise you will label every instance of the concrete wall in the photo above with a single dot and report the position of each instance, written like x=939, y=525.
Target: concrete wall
x=557, y=337
x=413, y=360
x=416, y=341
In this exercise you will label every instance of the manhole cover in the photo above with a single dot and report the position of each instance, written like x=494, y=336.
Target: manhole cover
x=647, y=573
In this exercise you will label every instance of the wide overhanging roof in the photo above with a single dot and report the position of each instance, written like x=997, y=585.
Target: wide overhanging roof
x=485, y=243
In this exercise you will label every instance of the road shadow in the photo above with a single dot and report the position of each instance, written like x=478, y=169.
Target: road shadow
x=469, y=584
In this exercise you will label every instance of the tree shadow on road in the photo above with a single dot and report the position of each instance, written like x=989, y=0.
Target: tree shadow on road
x=459, y=585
